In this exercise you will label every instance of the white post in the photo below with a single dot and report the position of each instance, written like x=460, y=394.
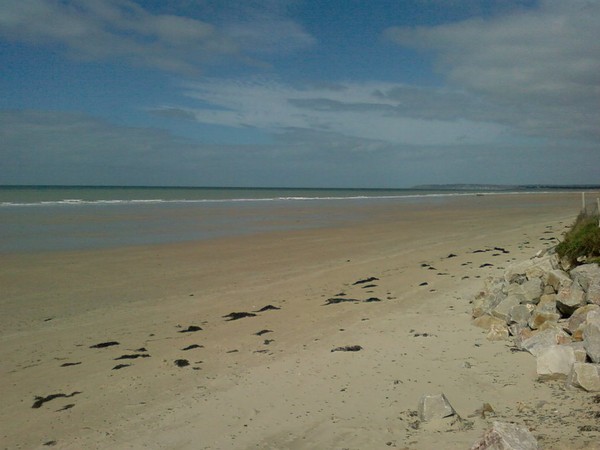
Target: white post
x=598, y=204
x=583, y=202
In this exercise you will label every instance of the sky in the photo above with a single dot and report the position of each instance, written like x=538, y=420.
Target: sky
x=299, y=93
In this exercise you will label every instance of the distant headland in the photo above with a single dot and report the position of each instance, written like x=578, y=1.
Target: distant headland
x=504, y=187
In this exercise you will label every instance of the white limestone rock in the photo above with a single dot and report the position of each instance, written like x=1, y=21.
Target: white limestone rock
x=530, y=269
x=580, y=316
x=543, y=339
x=486, y=322
x=568, y=299
x=498, y=332
x=580, y=353
x=588, y=277
x=542, y=266
x=502, y=309
x=555, y=361
x=515, y=273
x=434, y=406
x=585, y=376
x=520, y=314
x=591, y=336
x=545, y=311
x=538, y=318
x=532, y=290
x=506, y=436
x=485, y=303
x=558, y=279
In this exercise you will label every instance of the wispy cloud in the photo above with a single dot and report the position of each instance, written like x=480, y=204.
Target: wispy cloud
x=263, y=27
x=66, y=148
x=542, y=65
x=123, y=30
x=522, y=86
x=376, y=111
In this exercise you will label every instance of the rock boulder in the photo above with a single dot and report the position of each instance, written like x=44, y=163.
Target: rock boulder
x=434, y=406
x=486, y=322
x=555, y=361
x=588, y=277
x=506, y=436
x=543, y=339
x=580, y=316
x=532, y=290
x=520, y=314
x=558, y=279
x=545, y=311
x=569, y=298
x=585, y=376
x=502, y=309
x=591, y=336
x=498, y=333
x=486, y=302
x=530, y=269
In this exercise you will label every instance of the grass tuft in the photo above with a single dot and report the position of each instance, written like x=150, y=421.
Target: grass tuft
x=582, y=240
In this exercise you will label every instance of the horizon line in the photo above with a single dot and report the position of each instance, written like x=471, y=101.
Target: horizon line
x=415, y=187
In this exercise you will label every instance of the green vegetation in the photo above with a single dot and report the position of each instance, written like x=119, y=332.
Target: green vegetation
x=582, y=240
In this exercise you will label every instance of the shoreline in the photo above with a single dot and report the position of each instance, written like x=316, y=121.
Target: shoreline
x=76, y=226
x=425, y=194
x=292, y=392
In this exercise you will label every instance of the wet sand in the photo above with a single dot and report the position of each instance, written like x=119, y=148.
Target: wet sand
x=145, y=347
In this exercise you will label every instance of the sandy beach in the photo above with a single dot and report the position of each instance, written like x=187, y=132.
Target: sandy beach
x=175, y=370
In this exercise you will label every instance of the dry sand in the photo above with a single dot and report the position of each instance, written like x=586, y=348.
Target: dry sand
x=284, y=389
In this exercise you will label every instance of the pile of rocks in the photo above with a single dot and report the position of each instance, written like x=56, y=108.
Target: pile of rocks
x=550, y=310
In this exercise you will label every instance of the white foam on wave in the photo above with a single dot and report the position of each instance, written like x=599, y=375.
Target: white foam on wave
x=81, y=202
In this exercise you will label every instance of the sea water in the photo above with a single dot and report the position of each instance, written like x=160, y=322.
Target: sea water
x=78, y=195
x=46, y=218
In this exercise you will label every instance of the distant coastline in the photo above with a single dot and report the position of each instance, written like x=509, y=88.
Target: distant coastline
x=505, y=187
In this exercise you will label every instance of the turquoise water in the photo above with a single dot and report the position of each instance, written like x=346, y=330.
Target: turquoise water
x=75, y=218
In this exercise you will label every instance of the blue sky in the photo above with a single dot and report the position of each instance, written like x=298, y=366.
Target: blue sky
x=337, y=93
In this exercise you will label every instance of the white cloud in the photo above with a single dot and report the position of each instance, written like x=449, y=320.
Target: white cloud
x=358, y=110
x=63, y=148
x=283, y=36
x=261, y=27
x=541, y=65
x=122, y=29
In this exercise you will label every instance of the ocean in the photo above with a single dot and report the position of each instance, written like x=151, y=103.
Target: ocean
x=81, y=195
x=49, y=218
